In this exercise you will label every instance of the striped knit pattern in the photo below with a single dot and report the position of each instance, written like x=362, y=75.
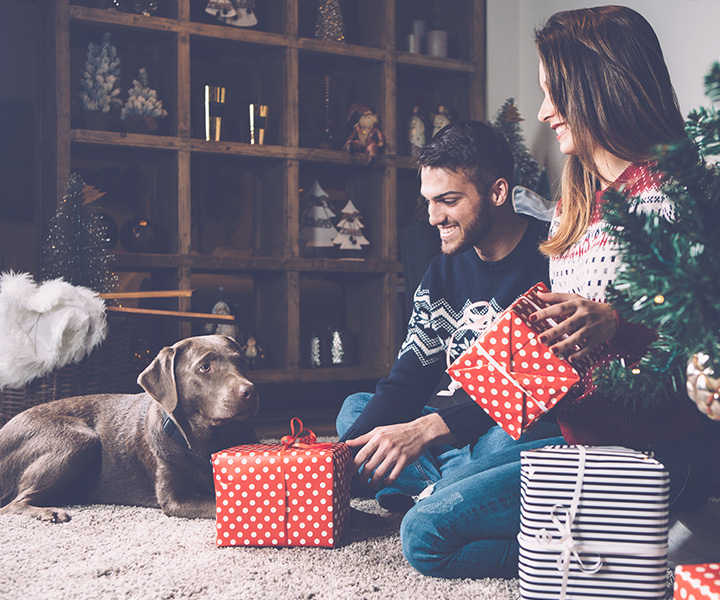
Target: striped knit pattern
x=622, y=516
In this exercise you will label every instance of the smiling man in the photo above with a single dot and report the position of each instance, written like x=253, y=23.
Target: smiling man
x=490, y=254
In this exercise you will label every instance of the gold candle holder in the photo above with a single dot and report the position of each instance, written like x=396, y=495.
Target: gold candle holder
x=214, y=104
x=258, y=123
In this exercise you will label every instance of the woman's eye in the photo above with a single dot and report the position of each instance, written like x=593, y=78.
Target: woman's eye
x=204, y=368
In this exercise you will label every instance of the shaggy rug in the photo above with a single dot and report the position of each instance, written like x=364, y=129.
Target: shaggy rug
x=131, y=553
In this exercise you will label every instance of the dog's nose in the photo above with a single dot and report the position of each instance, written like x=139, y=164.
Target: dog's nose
x=246, y=391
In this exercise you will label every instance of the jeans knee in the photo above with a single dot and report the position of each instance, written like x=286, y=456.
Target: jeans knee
x=350, y=410
x=419, y=545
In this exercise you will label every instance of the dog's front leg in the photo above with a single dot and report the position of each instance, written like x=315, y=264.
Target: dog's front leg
x=184, y=499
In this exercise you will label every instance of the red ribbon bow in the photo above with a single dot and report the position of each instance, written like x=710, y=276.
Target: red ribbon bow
x=304, y=438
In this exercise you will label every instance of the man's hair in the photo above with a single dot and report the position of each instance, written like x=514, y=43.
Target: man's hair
x=477, y=150
x=607, y=78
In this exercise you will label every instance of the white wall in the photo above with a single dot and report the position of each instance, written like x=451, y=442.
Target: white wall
x=688, y=31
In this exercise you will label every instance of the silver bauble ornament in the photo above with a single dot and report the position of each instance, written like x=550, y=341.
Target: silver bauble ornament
x=703, y=387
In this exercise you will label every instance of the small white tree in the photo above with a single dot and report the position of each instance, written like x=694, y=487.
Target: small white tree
x=142, y=100
x=350, y=237
x=100, y=86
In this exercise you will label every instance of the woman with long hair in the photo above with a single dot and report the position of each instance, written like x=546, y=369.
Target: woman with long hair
x=609, y=100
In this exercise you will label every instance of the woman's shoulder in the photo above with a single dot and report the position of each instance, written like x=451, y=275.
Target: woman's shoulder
x=641, y=178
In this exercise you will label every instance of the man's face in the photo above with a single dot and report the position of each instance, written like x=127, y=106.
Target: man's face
x=456, y=208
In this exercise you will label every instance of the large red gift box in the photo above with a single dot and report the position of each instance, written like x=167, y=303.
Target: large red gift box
x=512, y=375
x=697, y=582
x=296, y=493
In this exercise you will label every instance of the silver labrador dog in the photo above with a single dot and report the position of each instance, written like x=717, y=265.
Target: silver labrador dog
x=148, y=449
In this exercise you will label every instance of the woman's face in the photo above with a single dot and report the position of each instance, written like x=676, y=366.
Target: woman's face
x=548, y=113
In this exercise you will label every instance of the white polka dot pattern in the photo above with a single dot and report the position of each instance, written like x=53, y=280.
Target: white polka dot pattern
x=697, y=582
x=510, y=373
x=269, y=495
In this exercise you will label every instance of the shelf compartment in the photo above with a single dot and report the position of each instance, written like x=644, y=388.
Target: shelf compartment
x=234, y=202
x=353, y=303
x=362, y=185
x=139, y=184
x=164, y=20
x=156, y=51
x=363, y=21
x=250, y=73
x=449, y=15
x=352, y=80
x=270, y=16
x=429, y=88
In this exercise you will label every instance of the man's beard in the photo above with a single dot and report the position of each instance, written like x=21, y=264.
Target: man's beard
x=475, y=232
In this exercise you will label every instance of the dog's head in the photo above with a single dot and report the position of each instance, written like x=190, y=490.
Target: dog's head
x=200, y=380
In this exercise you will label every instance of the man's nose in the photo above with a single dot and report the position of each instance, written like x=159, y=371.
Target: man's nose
x=435, y=214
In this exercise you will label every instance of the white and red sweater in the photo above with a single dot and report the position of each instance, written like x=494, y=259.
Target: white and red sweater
x=586, y=269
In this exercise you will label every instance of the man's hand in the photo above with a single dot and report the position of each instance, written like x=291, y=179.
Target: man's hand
x=386, y=451
x=586, y=323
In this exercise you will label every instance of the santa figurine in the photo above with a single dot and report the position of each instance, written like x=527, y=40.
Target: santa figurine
x=366, y=135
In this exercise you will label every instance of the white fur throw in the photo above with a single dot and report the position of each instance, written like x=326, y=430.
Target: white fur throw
x=44, y=327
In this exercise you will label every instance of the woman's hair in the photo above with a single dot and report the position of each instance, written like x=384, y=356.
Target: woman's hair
x=473, y=148
x=607, y=78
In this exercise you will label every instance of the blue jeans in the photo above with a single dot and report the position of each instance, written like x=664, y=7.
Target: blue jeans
x=468, y=526
x=438, y=462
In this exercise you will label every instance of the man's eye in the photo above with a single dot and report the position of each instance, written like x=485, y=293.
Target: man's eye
x=204, y=368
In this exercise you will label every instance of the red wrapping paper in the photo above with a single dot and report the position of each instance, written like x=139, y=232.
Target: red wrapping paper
x=512, y=375
x=697, y=582
x=295, y=493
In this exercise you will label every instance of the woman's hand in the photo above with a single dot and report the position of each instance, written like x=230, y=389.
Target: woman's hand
x=586, y=324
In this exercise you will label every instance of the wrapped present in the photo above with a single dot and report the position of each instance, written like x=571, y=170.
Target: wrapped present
x=593, y=524
x=512, y=375
x=697, y=582
x=296, y=493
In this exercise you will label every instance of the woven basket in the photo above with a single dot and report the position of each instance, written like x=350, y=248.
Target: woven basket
x=108, y=369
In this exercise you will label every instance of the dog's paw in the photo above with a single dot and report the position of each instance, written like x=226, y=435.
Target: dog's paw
x=53, y=515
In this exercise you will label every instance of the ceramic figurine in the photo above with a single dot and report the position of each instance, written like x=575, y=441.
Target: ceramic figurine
x=441, y=118
x=366, y=135
x=416, y=131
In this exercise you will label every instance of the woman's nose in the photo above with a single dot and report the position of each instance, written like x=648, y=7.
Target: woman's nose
x=546, y=111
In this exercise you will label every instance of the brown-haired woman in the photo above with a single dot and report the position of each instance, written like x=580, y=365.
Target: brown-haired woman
x=610, y=102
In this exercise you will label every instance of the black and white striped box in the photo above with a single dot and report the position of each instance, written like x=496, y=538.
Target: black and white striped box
x=594, y=523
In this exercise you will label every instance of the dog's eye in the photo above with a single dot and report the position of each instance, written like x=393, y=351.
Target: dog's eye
x=204, y=368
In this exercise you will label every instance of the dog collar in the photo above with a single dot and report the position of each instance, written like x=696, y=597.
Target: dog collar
x=173, y=431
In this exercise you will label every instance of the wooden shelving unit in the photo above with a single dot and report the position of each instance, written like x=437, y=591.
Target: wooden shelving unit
x=249, y=245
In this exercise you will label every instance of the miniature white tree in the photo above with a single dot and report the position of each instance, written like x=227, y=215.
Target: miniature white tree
x=142, y=100
x=350, y=236
x=100, y=86
x=316, y=227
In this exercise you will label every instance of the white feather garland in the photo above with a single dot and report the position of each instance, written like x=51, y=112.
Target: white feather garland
x=45, y=326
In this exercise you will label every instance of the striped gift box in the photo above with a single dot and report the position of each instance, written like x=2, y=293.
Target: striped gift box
x=594, y=523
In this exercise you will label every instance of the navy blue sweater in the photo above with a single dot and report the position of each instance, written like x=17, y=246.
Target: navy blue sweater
x=449, y=286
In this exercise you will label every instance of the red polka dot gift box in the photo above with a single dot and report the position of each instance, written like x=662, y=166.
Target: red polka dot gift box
x=296, y=493
x=697, y=582
x=512, y=375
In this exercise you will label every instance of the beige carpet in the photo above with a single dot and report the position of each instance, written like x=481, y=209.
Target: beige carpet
x=129, y=553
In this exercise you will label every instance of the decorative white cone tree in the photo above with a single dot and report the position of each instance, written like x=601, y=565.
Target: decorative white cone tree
x=350, y=239
x=317, y=231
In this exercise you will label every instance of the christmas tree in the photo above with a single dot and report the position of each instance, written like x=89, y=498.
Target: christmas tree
x=350, y=238
x=143, y=102
x=100, y=86
x=316, y=227
x=527, y=170
x=669, y=279
x=77, y=245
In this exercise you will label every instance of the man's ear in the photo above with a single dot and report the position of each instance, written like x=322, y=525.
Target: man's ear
x=499, y=192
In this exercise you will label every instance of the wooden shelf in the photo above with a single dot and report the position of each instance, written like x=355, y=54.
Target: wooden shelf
x=228, y=212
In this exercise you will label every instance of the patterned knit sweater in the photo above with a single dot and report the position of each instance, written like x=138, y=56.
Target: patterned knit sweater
x=450, y=285
x=586, y=269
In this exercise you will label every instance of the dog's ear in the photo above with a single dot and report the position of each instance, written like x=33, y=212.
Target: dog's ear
x=158, y=379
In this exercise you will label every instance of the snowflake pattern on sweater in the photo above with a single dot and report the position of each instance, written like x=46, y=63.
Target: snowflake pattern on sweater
x=590, y=264
x=433, y=326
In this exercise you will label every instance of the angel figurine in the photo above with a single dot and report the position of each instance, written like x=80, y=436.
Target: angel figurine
x=441, y=118
x=416, y=131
